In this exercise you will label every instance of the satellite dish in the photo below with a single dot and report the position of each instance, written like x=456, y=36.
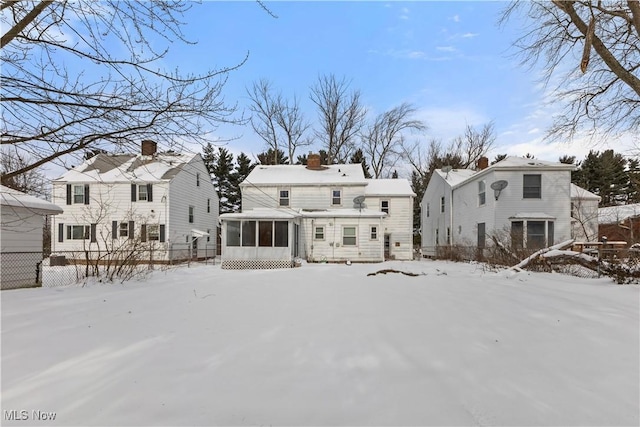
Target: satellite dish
x=446, y=169
x=498, y=186
x=358, y=202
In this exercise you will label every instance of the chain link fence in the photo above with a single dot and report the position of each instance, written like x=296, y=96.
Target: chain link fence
x=33, y=269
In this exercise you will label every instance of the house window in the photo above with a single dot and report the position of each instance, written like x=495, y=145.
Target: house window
x=208, y=205
x=517, y=234
x=153, y=232
x=191, y=210
x=233, y=233
x=374, y=232
x=78, y=232
x=448, y=235
x=265, y=233
x=281, y=238
x=535, y=234
x=336, y=197
x=442, y=204
x=437, y=236
x=78, y=194
x=482, y=237
x=384, y=206
x=318, y=233
x=123, y=229
x=532, y=187
x=482, y=194
x=427, y=210
x=198, y=179
x=550, y=237
x=349, y=236
x=248, y=233
x=142, y=192
x=284, y=198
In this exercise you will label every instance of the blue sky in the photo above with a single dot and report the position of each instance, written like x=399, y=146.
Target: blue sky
x=450, y=60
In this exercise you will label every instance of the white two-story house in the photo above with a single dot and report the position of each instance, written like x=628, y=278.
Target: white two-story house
x=318, y=213
x=159, y=205
x=523, y=203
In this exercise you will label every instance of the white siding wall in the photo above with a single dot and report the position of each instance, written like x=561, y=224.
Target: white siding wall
x=331, y=248
x=183, y=192
x=468, y=213
x=21, y=232
x=584, y=225
x=398, y=223
x=300, y=197
x=437, y=220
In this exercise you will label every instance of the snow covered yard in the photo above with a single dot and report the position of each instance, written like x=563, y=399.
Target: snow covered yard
x=325, y=345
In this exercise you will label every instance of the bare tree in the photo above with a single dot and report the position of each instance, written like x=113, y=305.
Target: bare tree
x=382, y=140
x=293, y=125
x=31, y=182
x=601, y=93
x=474, y=144
x=341, y=116
x=82, y=74
x=265, y=106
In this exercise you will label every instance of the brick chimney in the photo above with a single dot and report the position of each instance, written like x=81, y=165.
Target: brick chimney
x=313, y=162
x=149, y=147
x=483, y=163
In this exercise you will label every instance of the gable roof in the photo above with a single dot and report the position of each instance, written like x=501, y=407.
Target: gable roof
x=17, y=199
x=388, y=187
x=581, y=193
x=291, y=175
x=128, y=167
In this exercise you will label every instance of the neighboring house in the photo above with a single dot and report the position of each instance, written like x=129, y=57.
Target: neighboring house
x=524, y=203
x=22, y=218
x=620, y=223
x=319, y=213
x=163, y=204
x=584, y=214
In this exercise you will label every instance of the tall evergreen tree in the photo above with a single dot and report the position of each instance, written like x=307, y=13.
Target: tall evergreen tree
x=209, y=157
x=222, y=172
x=243, y=168
x=633, y=170
x=499, y=158
x=605, y=175
x=269, y=157
x=358, y=157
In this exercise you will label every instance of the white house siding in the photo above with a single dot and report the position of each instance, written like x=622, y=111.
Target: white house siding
x=436, y=222
x=183, y=192
x=300, y=196
x=398, y=224
x=331, y=248
x=21, y=232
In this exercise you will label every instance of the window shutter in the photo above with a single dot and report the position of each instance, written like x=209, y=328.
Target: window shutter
x=114, y=229
x=68, y=194
x=86, y=194
x=149, y=192
x=60, y=232
x=131, y=224
x=87, y=232
x=143, y=233
x=93, y=233
x=133, y=192
x=162, y=233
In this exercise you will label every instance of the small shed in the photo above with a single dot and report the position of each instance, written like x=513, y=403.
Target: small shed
x=621, y=223
x=21, y=249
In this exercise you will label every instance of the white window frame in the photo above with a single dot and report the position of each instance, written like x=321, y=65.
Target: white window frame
x=281, y=198
x=78, y=194
x=373, y=232
x=482, y=193
x=123, y=229
x=192, y=215
x=153, y=232
x=354, y=236
x=334, y=198
x=86, y=232
x=142, y=189
x=315, y=232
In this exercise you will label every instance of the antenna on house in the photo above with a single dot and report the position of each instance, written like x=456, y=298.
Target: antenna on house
x=498, y=186
x=446, y=169
x=358, y=202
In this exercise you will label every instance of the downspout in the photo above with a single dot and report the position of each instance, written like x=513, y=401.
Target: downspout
x=450, y=233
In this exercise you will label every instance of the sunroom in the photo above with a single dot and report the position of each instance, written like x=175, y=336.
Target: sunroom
x=259, y=239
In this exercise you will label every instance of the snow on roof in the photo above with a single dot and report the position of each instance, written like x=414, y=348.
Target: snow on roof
x=523, y=162
x=128, y=167
x=388, y=187
x=531, y=215
x=300, y=175
x=581, y=193
x=18, y=199
x=616, y=214
x=456, y=176
x=262, y=213
x=343, y=213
